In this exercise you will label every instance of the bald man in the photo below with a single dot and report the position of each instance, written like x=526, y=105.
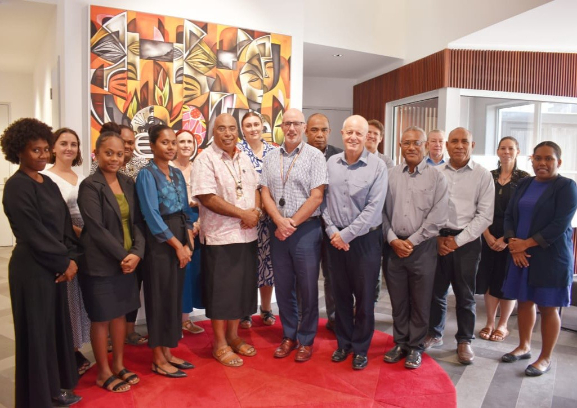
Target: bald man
x=352, y=212
x=293, y=180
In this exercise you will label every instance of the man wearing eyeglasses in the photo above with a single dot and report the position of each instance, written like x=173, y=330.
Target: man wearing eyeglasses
x=293, y=180
x=415, y=209
x=471, y=203
x=318, y=131
x=352, y=212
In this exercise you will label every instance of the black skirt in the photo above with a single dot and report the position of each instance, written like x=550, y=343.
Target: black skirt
x=109, y=297
x=45, y=360
x=163, y=282
x=229, y=280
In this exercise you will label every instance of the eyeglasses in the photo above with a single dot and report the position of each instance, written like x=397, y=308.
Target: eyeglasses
x=408, y=143
x=289, y=124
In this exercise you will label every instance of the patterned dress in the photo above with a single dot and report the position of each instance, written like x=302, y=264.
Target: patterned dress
x=265, y=273
x=78, y=316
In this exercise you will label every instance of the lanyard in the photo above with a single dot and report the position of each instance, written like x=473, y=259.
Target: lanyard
x=284, y=180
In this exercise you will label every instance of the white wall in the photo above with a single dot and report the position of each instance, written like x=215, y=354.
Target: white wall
x=17, y=89
x=373, y=26
x=46, y=63
x=328, y=92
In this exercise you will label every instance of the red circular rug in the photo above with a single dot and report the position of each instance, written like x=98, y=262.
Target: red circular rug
x=264, y=381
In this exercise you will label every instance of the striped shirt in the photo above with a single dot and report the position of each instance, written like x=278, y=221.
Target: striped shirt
x=308, y=172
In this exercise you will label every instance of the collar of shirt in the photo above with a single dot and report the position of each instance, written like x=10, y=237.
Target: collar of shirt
x=431, y=161
x=418, y=169
x=155, y=167
x=362, y=159
x=224, y=154
x=295, y=151
x=470, y=164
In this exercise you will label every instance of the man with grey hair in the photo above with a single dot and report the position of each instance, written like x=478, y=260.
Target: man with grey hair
x=352, y=212
x=471, y=203
x=434, y=145
x=411, y=231
x=293, y=180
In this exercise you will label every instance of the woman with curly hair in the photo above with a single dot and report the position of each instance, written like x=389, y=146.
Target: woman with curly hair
x=44, y=257
x=65, y=155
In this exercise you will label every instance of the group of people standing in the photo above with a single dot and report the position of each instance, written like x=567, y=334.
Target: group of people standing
x=265, y=216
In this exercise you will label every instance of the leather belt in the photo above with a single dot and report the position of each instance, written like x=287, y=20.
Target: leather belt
x=448, y=232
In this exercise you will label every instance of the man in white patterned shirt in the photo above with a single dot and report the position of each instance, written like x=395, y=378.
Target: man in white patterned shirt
x=293, y=180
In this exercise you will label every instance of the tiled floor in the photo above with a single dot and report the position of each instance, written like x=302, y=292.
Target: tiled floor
x=487, y=383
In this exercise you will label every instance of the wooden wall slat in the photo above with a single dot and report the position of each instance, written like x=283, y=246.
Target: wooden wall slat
x=507, y=71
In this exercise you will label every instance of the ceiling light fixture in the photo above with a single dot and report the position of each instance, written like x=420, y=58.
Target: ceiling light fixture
x=337, y=55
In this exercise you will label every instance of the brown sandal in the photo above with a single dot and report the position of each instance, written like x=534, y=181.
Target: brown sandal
x=499, y=335
x=190, y=327
x=227, y=357
x=486, y=333
x=241, y=347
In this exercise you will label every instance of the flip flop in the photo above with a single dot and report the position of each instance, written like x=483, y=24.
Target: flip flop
x=135, y=339
x=486, y=333
x=117, y=387
x=499, y=335
x=128, y=376
x=227, y=357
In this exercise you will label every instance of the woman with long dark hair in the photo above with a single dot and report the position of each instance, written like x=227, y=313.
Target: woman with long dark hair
x=538, y=232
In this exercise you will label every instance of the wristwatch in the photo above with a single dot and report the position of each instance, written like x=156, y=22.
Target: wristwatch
x=260, y=213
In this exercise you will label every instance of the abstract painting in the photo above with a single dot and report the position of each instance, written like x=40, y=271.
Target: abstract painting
x=148, y=69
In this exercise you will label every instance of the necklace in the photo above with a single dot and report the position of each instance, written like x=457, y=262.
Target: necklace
x=238, y=182
x=284, y=180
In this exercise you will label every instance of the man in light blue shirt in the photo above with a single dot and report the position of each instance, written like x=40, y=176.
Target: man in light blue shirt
x=435, y=146
x=352, y=212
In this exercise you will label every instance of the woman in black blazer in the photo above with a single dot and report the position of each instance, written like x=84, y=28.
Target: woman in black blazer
x=538, y=230
x=114, y=240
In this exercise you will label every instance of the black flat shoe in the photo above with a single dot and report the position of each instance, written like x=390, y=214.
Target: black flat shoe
x=413, y=359
x=185, y=365
x=160, y=371
x=394, y=355
x=532, y=371
x=340, y=355
x=65, y=399
x=511, y=358
x=360, y=362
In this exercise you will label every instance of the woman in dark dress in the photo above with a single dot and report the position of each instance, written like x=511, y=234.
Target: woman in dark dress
x=114, y=242
x=538, y=231
x=493, y=266
x=169, y=244
x=44, y=257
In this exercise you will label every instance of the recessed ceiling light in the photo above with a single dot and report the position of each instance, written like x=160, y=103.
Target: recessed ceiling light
x=337, y=55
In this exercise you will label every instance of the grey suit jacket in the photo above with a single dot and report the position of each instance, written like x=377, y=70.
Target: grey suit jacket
x=331, y=151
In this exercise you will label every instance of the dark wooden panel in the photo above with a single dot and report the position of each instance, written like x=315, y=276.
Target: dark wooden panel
x=507, y=71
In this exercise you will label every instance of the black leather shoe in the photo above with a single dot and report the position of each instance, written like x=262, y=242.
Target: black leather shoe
x=360, y=362
x=340, y=355
x=395, y=354
x=65, y=399
x=413, y=359
x=185, y=365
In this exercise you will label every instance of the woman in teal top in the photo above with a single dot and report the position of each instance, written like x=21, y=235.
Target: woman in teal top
x=113, y=236
x=169, y=245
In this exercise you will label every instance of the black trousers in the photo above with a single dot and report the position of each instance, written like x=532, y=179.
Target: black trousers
x=325, y=268
x=459, y=269
x=410, y=283
x=354, y=277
